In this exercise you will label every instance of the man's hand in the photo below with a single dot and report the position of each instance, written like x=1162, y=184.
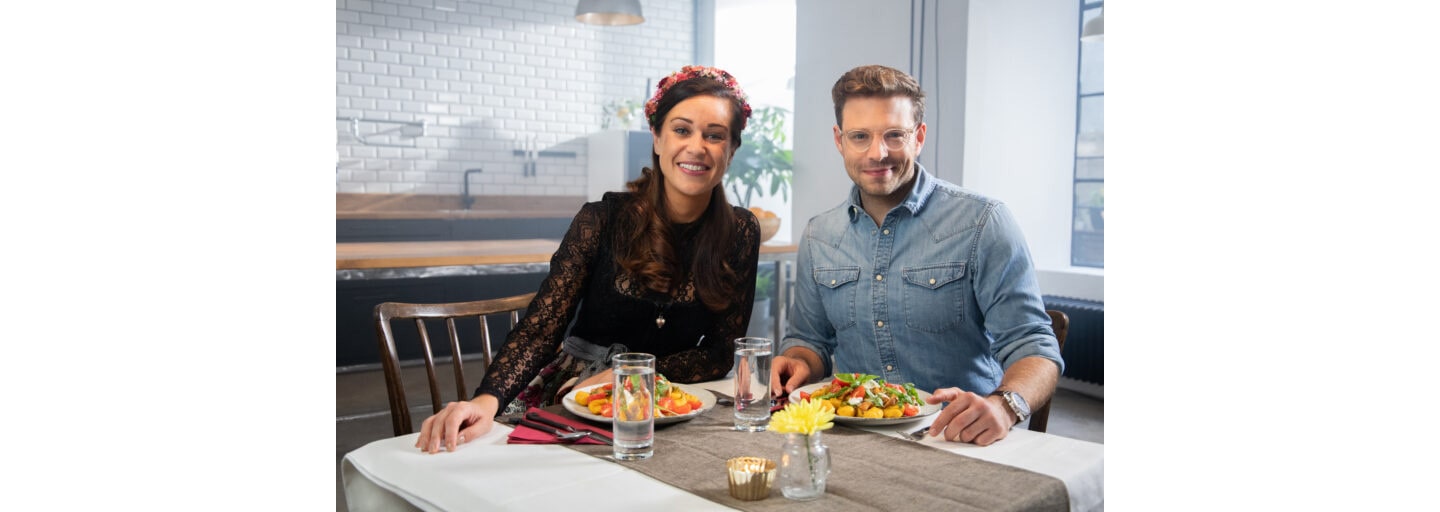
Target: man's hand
x=787, y=374
x=458, y=423
x=970, y=418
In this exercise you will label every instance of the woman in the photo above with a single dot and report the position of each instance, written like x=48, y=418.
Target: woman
x=667, y=268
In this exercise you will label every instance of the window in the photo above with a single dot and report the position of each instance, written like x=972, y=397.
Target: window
x=755, y=40
x=1087, y=240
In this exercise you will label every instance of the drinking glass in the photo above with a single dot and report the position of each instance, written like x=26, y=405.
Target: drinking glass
x=752, y=383
x=633, y=422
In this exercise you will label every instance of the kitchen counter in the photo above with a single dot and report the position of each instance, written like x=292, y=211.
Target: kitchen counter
x=367, y=255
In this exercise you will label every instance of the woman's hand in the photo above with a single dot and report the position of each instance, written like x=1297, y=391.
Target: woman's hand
x=458, y=423
x=599, y=378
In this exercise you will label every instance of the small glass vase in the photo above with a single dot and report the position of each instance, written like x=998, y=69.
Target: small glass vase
x=804, y=466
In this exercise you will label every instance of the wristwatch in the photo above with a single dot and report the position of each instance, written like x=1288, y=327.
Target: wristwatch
x=1016, y=403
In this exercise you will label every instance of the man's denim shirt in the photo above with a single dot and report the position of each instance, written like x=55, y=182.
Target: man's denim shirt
x=942, y=294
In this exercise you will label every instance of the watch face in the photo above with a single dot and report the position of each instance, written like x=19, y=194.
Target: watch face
x=1017, y=402
x=1020, y=401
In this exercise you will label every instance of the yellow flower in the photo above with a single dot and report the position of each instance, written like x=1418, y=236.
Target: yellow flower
x=804, y=417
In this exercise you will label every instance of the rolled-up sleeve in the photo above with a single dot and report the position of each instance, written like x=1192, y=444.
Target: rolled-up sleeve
x=1008, y=292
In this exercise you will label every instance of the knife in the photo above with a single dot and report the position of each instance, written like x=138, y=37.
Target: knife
x=532, y=416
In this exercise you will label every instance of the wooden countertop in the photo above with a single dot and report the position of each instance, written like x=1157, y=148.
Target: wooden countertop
x=364, y=255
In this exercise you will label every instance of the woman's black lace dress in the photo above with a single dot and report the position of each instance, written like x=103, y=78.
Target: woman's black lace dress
x=694, y=345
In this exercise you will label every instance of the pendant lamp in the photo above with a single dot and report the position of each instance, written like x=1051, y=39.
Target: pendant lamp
x=609, y=12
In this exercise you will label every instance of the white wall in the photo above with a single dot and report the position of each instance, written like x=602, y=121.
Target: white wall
x=1022, y=115
x=832, y=36
x=487, y=75
x=1003, y=76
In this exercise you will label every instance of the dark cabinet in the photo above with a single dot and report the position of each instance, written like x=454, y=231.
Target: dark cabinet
x=356, y=341
x=426, y=230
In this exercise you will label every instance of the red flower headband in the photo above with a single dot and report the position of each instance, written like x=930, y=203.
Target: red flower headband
x=689, y=73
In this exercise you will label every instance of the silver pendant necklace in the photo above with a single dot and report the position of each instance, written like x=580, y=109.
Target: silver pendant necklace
x=660, y=313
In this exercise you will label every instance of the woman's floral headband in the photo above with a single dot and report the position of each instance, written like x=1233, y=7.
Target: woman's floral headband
x=692, y=72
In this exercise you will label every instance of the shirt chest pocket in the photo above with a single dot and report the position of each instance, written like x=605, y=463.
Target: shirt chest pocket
x=837, y=293
x=934, y=296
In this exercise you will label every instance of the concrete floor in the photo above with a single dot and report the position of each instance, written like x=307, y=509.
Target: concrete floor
x=362, y=410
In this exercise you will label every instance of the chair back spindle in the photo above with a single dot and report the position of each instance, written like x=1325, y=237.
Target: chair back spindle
x=449, y=312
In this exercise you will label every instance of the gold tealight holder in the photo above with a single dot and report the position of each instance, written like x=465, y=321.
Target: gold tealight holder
x=750, y=477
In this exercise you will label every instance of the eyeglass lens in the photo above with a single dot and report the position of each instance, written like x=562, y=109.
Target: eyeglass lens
x=859, y=140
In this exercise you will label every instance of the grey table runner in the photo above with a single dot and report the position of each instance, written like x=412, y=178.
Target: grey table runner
x=868, y=471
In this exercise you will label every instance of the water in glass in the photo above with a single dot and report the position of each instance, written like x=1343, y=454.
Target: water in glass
x=633, y=422
x=752, y=383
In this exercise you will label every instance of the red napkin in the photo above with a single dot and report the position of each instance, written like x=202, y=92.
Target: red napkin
x=780, y=403
x=526, y=435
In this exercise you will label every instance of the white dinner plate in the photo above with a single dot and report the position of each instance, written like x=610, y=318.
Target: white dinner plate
x=925, y=409
x=707, y=401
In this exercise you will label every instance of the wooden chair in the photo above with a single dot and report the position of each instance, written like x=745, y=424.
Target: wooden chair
x=1060, y=323
x=385, y=312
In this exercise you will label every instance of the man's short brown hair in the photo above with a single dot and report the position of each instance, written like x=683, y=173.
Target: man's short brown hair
x=876, y=81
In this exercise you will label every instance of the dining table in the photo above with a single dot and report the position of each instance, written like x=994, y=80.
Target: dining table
x=488, y=473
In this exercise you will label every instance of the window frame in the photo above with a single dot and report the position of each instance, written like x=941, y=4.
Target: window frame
x=1078, y=237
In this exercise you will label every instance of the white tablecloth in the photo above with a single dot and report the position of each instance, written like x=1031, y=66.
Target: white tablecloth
x=487, y=474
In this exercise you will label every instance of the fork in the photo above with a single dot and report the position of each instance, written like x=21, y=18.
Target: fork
x=592, y=435
x=916, y=435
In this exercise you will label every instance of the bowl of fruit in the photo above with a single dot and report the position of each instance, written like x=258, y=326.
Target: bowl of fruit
x=769, y=222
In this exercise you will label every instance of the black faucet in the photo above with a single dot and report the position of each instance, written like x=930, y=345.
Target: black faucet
x=465, y=198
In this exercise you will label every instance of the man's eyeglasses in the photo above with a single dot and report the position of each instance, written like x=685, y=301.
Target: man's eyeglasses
x=894, y=139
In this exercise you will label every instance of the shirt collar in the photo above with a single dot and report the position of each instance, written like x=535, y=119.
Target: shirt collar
x=915, y=201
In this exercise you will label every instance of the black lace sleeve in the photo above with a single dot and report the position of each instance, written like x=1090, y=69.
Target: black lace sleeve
x=715, y=355
x=535, y=341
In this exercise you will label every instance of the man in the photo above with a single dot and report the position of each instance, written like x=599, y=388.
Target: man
x=915, y=279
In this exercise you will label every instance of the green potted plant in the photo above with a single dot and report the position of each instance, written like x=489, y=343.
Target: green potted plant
x=623, y=113
x=762, y=165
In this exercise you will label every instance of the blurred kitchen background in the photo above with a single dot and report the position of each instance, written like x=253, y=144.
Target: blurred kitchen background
x=521, y=90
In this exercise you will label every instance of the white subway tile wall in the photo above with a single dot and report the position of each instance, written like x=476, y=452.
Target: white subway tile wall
x=486, y=78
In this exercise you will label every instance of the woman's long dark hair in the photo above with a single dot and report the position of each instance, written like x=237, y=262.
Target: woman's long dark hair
x=644, y=245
